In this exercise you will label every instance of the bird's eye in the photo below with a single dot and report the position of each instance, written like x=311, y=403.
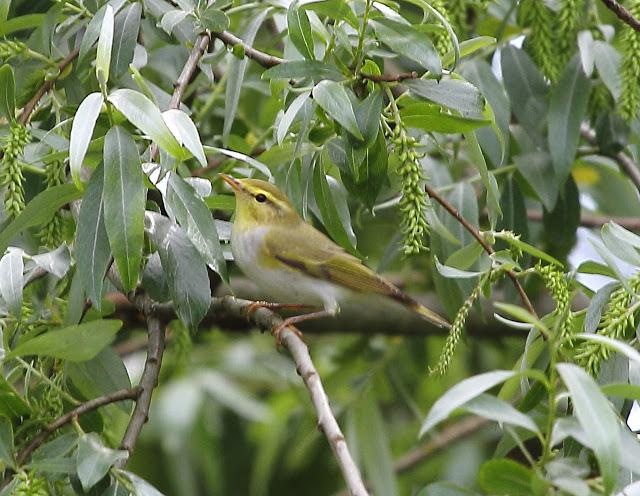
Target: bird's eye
x=261, y=198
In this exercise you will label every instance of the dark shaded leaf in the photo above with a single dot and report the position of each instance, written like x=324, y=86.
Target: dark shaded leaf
x=300, y=30
x=313, y=69
x=537, y=169
x=505, y=477
x=127, y=24
x=453, y=93
x=7, y=92
x=334, y=100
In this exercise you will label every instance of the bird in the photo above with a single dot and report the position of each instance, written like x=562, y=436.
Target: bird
x=298, y=266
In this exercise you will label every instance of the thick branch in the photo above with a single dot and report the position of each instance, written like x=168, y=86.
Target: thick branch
x=474, y=232
x=586, y=220
x=89, y=406
x=266, y=319
x=264, y=59
x=150, y=374
x=624, y=161
x=623, y=14
x=28, y=109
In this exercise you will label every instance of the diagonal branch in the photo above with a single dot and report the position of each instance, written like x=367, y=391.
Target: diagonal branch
x=266, y=319
x=589, y=220
x=623, y=14
x=474, y=232
x=262, y=58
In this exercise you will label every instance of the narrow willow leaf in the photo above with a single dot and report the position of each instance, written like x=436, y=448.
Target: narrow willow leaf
x=236, y=71
x=39, y=211
x=460, y=394
x=76, y=343
x=124, y=198
x=215, y=20
x=184, y=268
x=567, y=108
x=313, y=69
x=127, y=25
x=597, y=418
x=455, y=273
x=81, y=132
x=56, y=262
x=505, y=477
x=300, y=30
x=619, y=346
x=7, y=92
x=92, y=244
x=500, y=411
x=185, y=132
x=12, y=281
x=105, y=43
x=190, y=211
x=171, y=19
x=453, y=93
x=256, y=164
x=92, y=32
x=146, y=116
x=94, y=459
x=334, y=100
x=7, y=448
x=290, y=115
x=435, y=118
x=493, y=194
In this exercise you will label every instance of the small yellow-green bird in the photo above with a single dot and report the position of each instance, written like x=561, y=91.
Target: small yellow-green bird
x=294, y=263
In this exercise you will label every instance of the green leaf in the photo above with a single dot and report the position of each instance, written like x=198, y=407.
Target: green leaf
x=143, y=114
x=624, y=390
x=453, y=93
x=92, y=243
x=374, y=449
x=500, y=411
x=171, y=19
x=256, y=164
x=368, y=113
x=488, y=180
x=466, y=256
x=184, y=268
x=561, y=224
x=290, y=115
x=537, y=169
x=236, y=71
x=334, y=100
x=7, y=92
x=7, y=449
x=214, y=19
x=12, y=281
x=506, y=477
x=623, y=243
x=608, y=62
x=185, y=132
x=124, y=199
x=597, y=305
x=330, y=216
x=105, y=44
x=39, y=211
x=614, y=344
x=189, y=210
x=454, y=273
x=567, y=108
x=81, y=132
x=94, y=459
x=140, y=486
x=434, y=118
x=334, y=9
x=12, y=404
x=531, y=250
x=296, y=69
x=446, y=489
x=300, y=30
x=597, y=418
x=75, y=343
x=127, y=25
x=462, y=393
x=469, y=47
x=407, y=41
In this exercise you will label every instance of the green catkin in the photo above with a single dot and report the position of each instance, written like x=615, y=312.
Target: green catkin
x=441, y=38
x=455, y=333
x=567, y=29
x=30, y=485
x=51, y=233
x=614, y=323
x=414, y=200
x=540, y=42
x=457, y=10
x=11, y=176
x=10, y=49
x=600, y=101
x=556, y=282
x=630, y=96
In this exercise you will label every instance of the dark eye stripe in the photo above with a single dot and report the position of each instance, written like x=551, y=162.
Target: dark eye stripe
x=261, y=198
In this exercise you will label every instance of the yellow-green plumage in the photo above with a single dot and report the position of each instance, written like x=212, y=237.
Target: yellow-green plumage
x=294, y=262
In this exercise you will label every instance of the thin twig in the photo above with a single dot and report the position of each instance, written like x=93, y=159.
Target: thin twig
x=89, y=406
x=266, y=319
x=623, y=14
x=474, y=232
x=28, y=109
x=587, y=220
x=390, y=78
x=262, y=58
x=624, y=161
x=150, y=374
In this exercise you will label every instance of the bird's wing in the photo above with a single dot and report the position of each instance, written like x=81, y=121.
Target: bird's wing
x=321, y=258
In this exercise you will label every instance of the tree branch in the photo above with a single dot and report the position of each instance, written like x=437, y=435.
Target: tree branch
x=262, y=58
x=624, y=161
x=266, y=319
x=89, y=406
x=623, y=14
x=586, y=220
x=390, y=78
x=474, y=232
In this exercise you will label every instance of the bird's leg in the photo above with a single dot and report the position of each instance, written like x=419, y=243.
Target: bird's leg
x=291, y=321
x=274, y=306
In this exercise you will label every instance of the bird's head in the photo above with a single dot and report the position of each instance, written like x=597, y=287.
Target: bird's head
x=259, y=203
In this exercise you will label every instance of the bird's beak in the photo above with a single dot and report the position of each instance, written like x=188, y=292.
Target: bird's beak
x=232, y=182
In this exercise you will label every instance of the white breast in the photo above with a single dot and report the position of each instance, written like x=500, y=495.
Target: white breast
x=281, y=285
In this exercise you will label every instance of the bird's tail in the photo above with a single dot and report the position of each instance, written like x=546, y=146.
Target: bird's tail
x=430, y=315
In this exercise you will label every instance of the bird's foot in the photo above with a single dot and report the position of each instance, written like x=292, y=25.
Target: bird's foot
x=254, y=306
x=276, y=332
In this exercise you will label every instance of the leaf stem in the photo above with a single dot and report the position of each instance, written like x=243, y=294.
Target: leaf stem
x=359, y=56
